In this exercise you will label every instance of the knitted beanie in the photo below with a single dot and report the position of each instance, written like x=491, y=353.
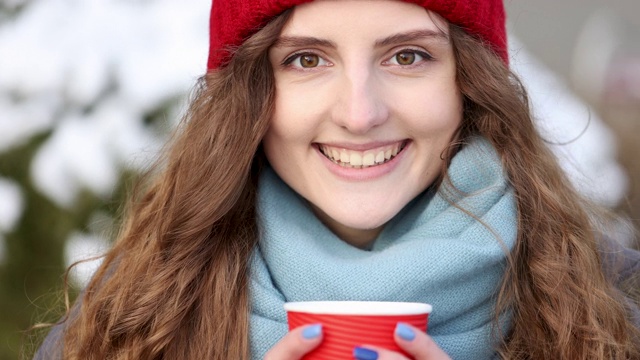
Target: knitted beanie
x=233, y=21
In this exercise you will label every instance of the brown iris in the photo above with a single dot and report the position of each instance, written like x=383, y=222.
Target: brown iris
x=309, y=61
x=406, y=58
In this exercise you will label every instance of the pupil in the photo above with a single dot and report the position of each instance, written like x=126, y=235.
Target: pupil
x=309, y=61
x=405, y=58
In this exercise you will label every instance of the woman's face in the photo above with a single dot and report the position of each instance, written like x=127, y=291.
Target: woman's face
x=366, y=103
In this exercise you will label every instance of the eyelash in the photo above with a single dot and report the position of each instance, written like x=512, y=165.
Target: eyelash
x=293, y=57
x=423, y=54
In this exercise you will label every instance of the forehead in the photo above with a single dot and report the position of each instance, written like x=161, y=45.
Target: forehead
x=341, y=17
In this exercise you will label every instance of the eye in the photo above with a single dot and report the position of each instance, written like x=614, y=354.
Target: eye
x=409, y=57
x=305, y=61
x=405, y=58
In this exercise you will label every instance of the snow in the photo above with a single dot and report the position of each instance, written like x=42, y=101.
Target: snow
x=88, y=71
x=88, y=152
x=11, y=205
x=575, y=133
x=61, y=170
x=75, y=54
x=81, y=247
x=20, y=121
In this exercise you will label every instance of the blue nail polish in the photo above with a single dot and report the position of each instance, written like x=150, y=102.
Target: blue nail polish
x=361, y=353
x=312, y=331
x=405, y=332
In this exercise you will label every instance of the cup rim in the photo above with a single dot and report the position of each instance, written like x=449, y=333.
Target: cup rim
x=359, y=307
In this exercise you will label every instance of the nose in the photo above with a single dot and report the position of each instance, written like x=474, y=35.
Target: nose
x=360, y=105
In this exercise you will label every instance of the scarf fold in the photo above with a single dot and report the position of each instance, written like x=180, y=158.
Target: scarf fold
x=430, y=252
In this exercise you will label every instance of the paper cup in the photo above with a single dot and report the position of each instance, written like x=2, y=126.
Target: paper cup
x=347, y=324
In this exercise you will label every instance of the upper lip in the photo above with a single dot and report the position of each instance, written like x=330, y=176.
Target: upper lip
x=361, y=147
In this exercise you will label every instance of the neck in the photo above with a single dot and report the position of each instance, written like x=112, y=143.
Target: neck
x=360, y=238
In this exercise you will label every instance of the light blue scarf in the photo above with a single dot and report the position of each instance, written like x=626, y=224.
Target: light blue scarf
x=431, y=252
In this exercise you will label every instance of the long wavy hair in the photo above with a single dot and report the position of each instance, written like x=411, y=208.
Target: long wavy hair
x=175, y=284
x=563, y=305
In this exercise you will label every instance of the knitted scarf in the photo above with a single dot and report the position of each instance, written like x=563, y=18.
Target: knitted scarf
x=431, y=252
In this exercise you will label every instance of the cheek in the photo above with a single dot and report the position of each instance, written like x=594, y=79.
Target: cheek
x=289, y=129
x=436, y=98
x=447, y=116
x=436, y=115
x=283, y=127
x=278, y=134
x=297, y=115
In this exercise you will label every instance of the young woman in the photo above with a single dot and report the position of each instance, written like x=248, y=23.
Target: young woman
x=357, y=150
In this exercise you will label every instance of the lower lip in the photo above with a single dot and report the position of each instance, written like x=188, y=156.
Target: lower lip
x=369, y=173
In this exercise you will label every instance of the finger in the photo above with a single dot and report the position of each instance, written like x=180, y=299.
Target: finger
x=418, y=344
x=296, y=343
x=368, y=352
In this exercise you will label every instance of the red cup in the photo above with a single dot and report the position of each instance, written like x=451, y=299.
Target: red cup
x=347, y=324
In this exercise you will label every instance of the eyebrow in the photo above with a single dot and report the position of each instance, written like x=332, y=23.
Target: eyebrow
x=412, y=36
x=310, y=41
x=303, y=41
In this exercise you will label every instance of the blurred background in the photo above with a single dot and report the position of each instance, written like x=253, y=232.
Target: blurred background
x=89, y=90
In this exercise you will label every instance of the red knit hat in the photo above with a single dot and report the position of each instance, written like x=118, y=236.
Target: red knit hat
x=233, y=21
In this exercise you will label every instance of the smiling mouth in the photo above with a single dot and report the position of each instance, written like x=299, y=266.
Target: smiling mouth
x=362, y=159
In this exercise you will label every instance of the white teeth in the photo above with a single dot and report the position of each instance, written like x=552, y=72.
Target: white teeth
x=359, y=159
x=356, y=159
x=368, y=160
x=344, y=156
x=334, y=154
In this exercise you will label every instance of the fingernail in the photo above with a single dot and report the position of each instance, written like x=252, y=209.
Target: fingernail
x=405, y=332
x=361, y=353
x=312, y=331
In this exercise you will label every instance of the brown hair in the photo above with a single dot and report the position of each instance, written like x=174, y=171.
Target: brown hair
x=175, y=285
x=562, y=305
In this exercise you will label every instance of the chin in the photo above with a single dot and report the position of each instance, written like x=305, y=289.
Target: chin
x=364, y=220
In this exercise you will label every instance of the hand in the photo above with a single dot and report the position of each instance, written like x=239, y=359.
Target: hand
x=296, y=343
x=410, y=339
